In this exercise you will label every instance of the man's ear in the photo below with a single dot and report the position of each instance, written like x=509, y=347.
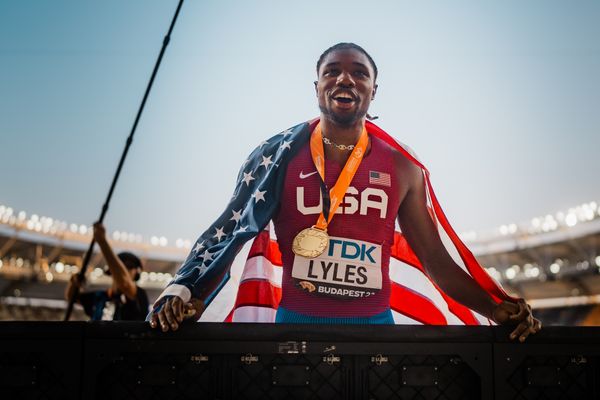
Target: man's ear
x=374, y=92
x=316, y=90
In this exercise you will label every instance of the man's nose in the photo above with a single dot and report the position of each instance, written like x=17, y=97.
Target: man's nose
x=345, y=79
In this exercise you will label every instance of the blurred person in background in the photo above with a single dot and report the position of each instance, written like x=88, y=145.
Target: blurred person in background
x=124, y=300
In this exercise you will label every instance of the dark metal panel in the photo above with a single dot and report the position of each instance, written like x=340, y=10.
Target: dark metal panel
x=40, y=360
x=145, y=368
x=428, y=371
x=117, y=360
x=547, y=371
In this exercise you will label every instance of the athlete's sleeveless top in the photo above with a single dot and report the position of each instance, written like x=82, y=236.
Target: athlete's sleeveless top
x=351, y=278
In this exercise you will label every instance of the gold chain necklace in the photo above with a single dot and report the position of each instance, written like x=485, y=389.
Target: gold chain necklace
x=342, y=147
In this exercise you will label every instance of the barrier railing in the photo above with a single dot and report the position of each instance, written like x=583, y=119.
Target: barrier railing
x=128, y=360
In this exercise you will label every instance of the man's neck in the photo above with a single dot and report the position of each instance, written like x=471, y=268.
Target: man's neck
x=341, y=134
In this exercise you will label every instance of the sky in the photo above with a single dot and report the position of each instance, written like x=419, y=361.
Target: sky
x=500, y=100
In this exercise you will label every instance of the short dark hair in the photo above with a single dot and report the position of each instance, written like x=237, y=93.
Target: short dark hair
x=346, y=46
x=130, y=260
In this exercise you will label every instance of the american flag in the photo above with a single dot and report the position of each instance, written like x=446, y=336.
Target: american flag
x=380, y=178
x=415, y=298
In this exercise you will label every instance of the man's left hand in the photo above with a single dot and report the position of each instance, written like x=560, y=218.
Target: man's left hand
x=519, y=313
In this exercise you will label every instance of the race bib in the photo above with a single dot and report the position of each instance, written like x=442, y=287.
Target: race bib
x=347, y=269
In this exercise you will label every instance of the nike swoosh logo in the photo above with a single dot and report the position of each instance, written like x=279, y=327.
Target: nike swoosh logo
x=304, y=176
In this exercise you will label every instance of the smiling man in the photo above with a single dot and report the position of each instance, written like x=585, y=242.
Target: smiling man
x=334, y=189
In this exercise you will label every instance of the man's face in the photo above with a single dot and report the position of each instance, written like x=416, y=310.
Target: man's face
x=346, y=86
x=133, y=272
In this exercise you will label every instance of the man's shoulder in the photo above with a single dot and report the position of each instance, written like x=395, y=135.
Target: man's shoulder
x=281, y=143
x=400, y=149
x=405, y=159
x=289, y=133
x=392, y=142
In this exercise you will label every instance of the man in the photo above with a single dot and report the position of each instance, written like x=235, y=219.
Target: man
x=319, y=229
x=124, y=300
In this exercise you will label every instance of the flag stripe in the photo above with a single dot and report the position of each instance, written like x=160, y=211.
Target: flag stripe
x=402, y=252
x=259, y=267
x=418, y=282
x=254, y=314
x=263, y=245
x=401, y=319
x=258, y=292
x=415, y=306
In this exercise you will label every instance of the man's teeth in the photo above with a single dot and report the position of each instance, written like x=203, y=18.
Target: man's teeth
x=344, y=97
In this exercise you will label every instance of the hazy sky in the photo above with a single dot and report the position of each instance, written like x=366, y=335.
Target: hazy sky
x=501, y=100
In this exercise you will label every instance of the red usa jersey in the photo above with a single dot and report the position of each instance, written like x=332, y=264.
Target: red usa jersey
x=351, y=277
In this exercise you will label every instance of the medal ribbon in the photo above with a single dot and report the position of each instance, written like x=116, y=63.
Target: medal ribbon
x=333, y=199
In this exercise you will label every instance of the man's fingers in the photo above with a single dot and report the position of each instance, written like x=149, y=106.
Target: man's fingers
x=530, y=326
x=162, y=319
x=522, y=312
x=519, y=330
x=533, y=327
x=510, y=307
x=153, y=320
x=170, y=316
x=188, y=310
x=525, y=334
x=178, y=310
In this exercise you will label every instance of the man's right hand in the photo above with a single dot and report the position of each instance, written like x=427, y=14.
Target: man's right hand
x=174, y=311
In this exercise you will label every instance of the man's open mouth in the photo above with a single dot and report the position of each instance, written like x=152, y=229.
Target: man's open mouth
x=343, y=98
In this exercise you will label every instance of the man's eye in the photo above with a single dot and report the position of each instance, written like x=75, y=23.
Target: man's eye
x=331, y=72
x=361, y=73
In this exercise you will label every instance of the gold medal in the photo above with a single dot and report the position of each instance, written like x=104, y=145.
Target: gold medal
x=310, y=242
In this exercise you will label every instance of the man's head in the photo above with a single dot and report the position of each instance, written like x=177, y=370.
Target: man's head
x=346, y=83
x=132, y=263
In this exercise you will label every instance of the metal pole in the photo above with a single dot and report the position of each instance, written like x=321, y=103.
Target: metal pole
x=88, y=254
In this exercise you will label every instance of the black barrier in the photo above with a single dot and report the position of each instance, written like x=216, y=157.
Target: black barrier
x=40, y=360
x=561, y=363
x=120, y=360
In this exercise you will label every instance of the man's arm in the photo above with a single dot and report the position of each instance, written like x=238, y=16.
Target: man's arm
x=73, y=288
x=120, y=275
x=254, y=201
x=423, y=237
x=194, y=286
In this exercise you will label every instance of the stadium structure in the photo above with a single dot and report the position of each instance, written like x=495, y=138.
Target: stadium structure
x=553, y=261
